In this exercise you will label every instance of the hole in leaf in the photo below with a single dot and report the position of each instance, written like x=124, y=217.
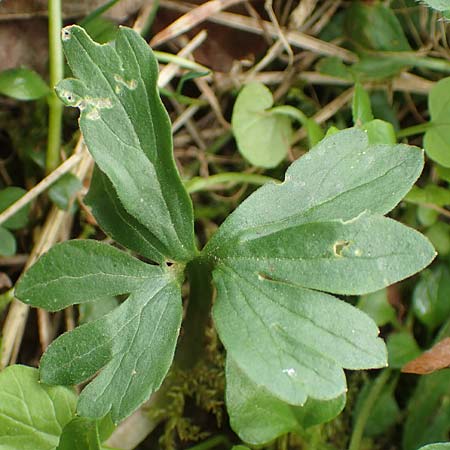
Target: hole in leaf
x=339, y=247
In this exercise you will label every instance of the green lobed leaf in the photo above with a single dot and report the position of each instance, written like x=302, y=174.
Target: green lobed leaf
x=323, y=232
x=440, y=5
x=8, y=196
x=22, y=84
x=291, y=340
x=80, y=271
x=134, y=344
x=437, y=137
x=430, y=300
x=352, y=257
x=428, y=412
x=116, y=221
x=262, y=138
x=437, y=446
x=8, y=244
x=340, y=178
x=94, y=310
x=127, y=130
x=32, y=414
x=258, y=417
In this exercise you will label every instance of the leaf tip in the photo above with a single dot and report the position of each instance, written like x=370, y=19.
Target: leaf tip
x=66, y=33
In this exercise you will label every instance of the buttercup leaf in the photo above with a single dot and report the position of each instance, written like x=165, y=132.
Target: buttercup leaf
x=81, y=271
x=127, y=130
x=135, y=344
x=257, y=417
x=116, y=221
x=324, y=232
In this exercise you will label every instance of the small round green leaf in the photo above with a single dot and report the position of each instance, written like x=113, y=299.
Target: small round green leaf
x=431, y=297
x=7, y=243
x=8, y=196
x=262, y=138
x=22, y=84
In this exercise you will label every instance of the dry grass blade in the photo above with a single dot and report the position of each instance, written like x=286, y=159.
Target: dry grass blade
x=14, y=325
x=191, y=19
x=171, y=69
x=294, y=38
x=42, y=186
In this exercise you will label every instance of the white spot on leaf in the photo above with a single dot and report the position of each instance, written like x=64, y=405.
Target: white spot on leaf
x=291, y=372
x=131, y=84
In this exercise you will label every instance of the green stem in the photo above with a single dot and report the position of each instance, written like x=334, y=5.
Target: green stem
x=426, y=62
x=192, y=342
x=411, y=59
x=211, y=443
x=56, y=69
x=415, y=129
x=290, y=111
x=203, y=184
x=180, y=61
x=366, y=409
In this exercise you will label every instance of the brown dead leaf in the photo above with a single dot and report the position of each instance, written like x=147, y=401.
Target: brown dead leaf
x=436, y=358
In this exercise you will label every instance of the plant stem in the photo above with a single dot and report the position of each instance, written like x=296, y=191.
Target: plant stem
x=203, y=184
x=180, y=61
x=411, y=59
x=366, y=409
x=426, y=62
x=191, y=344
x=290, y=111
x=211, y=443
x=415, y=129
x=56, y=69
